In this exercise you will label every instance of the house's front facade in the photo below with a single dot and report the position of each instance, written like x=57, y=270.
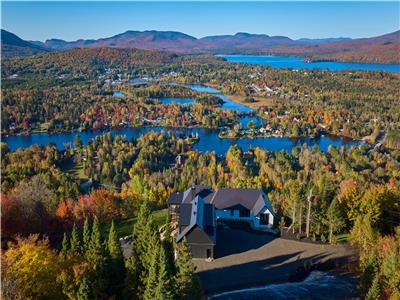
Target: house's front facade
x=244, y=205
x=199, y=209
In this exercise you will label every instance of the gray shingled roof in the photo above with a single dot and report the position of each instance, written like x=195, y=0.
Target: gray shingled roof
x=197, y=190
x=252, y=199
x=187, y=196
x=175, y=198
x=200, y=215
x=185, y=211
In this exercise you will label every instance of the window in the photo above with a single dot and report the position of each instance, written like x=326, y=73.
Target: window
x=244, y=213
x=264, y=219
x=232, y=212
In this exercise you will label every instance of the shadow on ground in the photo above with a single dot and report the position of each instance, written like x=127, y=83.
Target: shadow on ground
x=237, y=239
x=245, y=258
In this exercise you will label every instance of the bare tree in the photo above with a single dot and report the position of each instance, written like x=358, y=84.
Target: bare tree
x=310, y=195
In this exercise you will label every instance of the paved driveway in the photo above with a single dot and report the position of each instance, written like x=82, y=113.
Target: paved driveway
x=246, y=259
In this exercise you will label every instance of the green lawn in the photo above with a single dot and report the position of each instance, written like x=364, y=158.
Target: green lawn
x=76, y=170
x=125, y=227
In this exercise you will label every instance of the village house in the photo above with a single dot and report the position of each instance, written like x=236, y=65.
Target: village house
x=198, y=210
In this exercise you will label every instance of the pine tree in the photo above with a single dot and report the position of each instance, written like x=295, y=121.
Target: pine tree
x=114, y=247
x=86, y=236
x=96, y=257
x=84, y=292
x=335, y=219
x=168, y=246
x=75, y=241
x=140, y=230
x=95, y=251
x=185, y=270
x=64, y=246
x=164, y=289
x=144, y=239
x=374, y=291
x=116, y=267
x=131, y=282
x=152, y=278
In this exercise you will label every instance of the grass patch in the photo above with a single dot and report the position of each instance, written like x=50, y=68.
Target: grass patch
x=343, y=238
x=74, y=169
x=125, y=227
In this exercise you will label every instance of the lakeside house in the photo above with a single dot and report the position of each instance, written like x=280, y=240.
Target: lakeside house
x=199, y=210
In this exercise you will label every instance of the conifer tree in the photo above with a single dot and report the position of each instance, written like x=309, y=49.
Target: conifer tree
x=114, y=247
x=84, y=292
x=144, y=239
x=86, y=236
x=64, y=246
x=375, y=290
x=75, y=241
x=95, y=251
x=116, y=267
x=96, y=257
x=131, y=282
x=168, y=245
x=164, y=289
x=185, y=270
x=152, y=278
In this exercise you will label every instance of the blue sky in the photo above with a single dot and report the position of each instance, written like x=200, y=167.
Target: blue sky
x=94, y=19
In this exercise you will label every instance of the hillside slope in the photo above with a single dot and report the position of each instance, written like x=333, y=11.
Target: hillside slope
x=12, y=46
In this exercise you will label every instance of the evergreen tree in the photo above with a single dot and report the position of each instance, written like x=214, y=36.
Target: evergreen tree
x=185, y=269
x=114, y=247
x=335, y=219
x=96, y=257
x=152, y=279
x=95, y=251
x=131, y=282
x=374, y=292
x=164, y=289
x=168, y=246
x=84, y=292
x=115, y=264
x=144, y=239
x=75, y=241
x=86, y=236
x=64, y=246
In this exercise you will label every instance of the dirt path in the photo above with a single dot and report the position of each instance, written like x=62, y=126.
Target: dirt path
x=250, y=259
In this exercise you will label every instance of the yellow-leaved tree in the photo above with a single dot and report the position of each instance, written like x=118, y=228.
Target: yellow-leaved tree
x=29, y=270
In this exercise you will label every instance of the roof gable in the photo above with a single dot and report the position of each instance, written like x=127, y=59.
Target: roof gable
x=252, y=199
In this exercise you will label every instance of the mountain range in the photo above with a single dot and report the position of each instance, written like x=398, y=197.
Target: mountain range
x=385, y=48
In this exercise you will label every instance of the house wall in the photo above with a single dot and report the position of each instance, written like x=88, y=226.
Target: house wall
x=200, y=250
x=225, y=214
x=199, y=243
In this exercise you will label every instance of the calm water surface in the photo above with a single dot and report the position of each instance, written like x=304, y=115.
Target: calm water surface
x=209, y=140
x=294, y=62
x=177, y=101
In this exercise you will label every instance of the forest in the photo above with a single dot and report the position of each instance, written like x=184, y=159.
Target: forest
x=71, y=91
x=61, y=208
x=346, y=190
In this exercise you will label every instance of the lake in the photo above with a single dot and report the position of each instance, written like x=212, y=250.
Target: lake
x=177, y=101
x=318, y=285
x=209, y=140
x=294, y=62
